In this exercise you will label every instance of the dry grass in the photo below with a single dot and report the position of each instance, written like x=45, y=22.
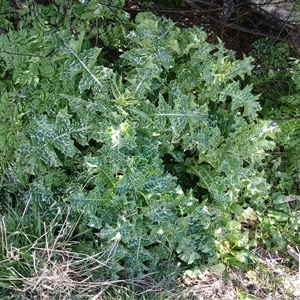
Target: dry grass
x=270, y=280
x=58, y=273
x=61, y=274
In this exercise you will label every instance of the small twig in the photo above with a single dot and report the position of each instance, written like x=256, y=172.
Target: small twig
x=293, y=253
x=286, y=118
x=291, y=198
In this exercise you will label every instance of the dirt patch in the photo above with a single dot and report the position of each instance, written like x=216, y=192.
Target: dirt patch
x=270, y=279
x=238, y=33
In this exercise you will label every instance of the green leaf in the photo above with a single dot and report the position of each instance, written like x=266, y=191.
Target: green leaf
x=56, y=134
x=189, y=256
x=209, y=179
x=236, y=208
x=76, y=64
x=76, y=45
x=278, y=216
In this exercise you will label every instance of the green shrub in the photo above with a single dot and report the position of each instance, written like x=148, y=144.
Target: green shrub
x=279, y=90
x=160, y=149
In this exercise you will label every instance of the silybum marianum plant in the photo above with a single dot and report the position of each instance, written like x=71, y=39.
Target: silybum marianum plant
x=159, y=150
x=178, y=98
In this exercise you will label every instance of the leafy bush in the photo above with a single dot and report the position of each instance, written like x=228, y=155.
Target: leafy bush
x=160, y=149
x=279, y=90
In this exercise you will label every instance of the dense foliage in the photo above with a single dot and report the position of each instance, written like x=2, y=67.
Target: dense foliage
x=279, y=90
x=145, y=130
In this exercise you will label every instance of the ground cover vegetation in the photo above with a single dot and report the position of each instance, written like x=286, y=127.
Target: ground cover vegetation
x=133, y=151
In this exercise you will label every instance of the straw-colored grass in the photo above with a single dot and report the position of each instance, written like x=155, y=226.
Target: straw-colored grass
x=46, y=267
